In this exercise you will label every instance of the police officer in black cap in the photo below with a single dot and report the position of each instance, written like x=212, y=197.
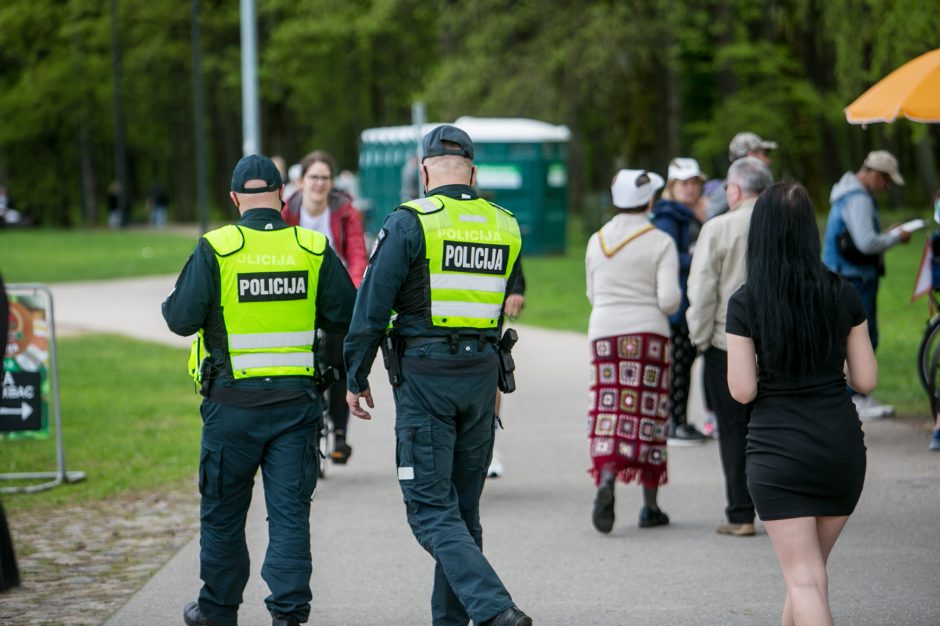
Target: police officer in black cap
x=442, y=263
x=256, y=293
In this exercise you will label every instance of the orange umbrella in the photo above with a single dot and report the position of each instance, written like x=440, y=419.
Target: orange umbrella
x=912, y=91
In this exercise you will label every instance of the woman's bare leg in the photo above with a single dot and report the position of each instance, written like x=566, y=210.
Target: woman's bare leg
x=802, y=555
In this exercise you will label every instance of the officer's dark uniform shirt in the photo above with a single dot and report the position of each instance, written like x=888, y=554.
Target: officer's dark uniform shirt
x=195, y=303
x=397, y=279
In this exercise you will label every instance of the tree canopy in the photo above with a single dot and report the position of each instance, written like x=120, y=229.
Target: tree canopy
x=637, y=81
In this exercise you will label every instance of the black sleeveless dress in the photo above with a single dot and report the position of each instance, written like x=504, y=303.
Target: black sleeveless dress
x=805, y=445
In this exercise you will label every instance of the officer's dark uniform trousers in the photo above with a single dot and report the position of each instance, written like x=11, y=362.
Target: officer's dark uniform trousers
x=444, y=429
x=236, y=441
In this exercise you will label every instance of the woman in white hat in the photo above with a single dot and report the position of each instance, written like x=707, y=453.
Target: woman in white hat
x=632, y=284
x=679, y=213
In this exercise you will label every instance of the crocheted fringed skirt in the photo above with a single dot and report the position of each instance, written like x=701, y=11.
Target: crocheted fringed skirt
x=628, y=415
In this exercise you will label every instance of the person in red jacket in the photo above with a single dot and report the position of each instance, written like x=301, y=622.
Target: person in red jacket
x=318, y=206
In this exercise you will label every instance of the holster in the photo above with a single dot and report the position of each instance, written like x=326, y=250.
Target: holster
x=507, y=380
x=325, y=378
x=391, y=357
x=205, y=377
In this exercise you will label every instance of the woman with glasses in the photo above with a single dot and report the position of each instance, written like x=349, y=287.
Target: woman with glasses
x=320, y=207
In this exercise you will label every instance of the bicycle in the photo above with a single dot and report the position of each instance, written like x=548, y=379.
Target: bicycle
x=325, y=434
x=928, y=353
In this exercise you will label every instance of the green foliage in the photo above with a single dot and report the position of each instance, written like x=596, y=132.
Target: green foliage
x=125, y=441
x=48, y=256
x=638, y=82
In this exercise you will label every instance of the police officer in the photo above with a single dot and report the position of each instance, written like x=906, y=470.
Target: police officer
x=256, y=293
x=442, y=263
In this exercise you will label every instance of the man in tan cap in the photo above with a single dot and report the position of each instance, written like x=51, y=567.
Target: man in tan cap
x=742, y=145
x=854, y=245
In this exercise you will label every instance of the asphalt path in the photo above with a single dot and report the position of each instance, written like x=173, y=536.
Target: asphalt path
x=368, y=569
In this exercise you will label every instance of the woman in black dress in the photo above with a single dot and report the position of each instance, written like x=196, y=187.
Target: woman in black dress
x=794, y=331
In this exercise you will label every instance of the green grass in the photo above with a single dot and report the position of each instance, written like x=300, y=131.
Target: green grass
x=130, y=421
x=555, y=290
x=47, y=256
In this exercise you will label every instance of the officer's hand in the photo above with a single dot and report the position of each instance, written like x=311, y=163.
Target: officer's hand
x=352, y=399
x=513, y=305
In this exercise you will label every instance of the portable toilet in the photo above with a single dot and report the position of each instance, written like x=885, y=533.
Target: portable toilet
x=521, y=165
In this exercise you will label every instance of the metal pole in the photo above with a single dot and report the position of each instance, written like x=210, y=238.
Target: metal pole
x=419, y=116
x=198, y=130
x=251, y=125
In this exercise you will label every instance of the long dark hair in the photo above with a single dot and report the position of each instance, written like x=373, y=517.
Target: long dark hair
x=790, y=294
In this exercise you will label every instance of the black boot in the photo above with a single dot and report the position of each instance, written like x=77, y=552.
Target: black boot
x=510, y=617
x=192, y=616
x=603, y=514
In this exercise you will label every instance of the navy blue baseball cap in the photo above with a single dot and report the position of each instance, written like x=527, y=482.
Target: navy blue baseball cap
x=256, y=167
x=433, y=143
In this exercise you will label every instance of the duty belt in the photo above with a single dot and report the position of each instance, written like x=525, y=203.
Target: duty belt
x=454, y=339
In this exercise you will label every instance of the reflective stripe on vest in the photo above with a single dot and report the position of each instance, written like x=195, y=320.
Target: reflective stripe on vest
x=268, y=282
x=471, y=247
x=271, y=340
x=272, y=359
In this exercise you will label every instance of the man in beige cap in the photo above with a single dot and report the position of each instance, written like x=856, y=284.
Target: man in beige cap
x=854, y=245
x=742, y=145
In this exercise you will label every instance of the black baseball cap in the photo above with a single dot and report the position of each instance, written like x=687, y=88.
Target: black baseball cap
x=433, y=143
x=256, y=167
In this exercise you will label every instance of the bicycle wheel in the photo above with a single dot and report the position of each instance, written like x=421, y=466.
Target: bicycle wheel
x=926, y=351
x=933, y=380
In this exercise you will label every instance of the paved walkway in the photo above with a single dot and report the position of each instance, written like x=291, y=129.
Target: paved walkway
x=369, y=570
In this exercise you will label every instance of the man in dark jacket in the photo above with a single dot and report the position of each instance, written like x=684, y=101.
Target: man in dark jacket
x=255, y=294
x=444, y=263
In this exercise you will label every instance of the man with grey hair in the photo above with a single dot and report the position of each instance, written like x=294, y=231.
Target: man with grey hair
x=718, y=269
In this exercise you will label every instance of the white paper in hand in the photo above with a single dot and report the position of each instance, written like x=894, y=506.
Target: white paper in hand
x=910, y=226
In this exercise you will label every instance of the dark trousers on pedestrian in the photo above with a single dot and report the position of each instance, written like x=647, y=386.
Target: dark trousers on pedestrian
x=444, y=431
x=867, y=289
x=732, y=417
x=9, y=572
x=331, y=351
x=682, y=353
x=236, y=441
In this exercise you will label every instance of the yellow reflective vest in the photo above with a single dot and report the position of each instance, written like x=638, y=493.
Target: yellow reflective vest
x=268, y=298
x=472, y=246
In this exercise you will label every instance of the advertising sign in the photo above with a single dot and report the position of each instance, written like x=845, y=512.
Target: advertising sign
x=24, y=409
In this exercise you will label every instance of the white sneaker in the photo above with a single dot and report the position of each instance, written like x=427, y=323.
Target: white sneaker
x=496, y=466
x=710, y=425
x=870, y=409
